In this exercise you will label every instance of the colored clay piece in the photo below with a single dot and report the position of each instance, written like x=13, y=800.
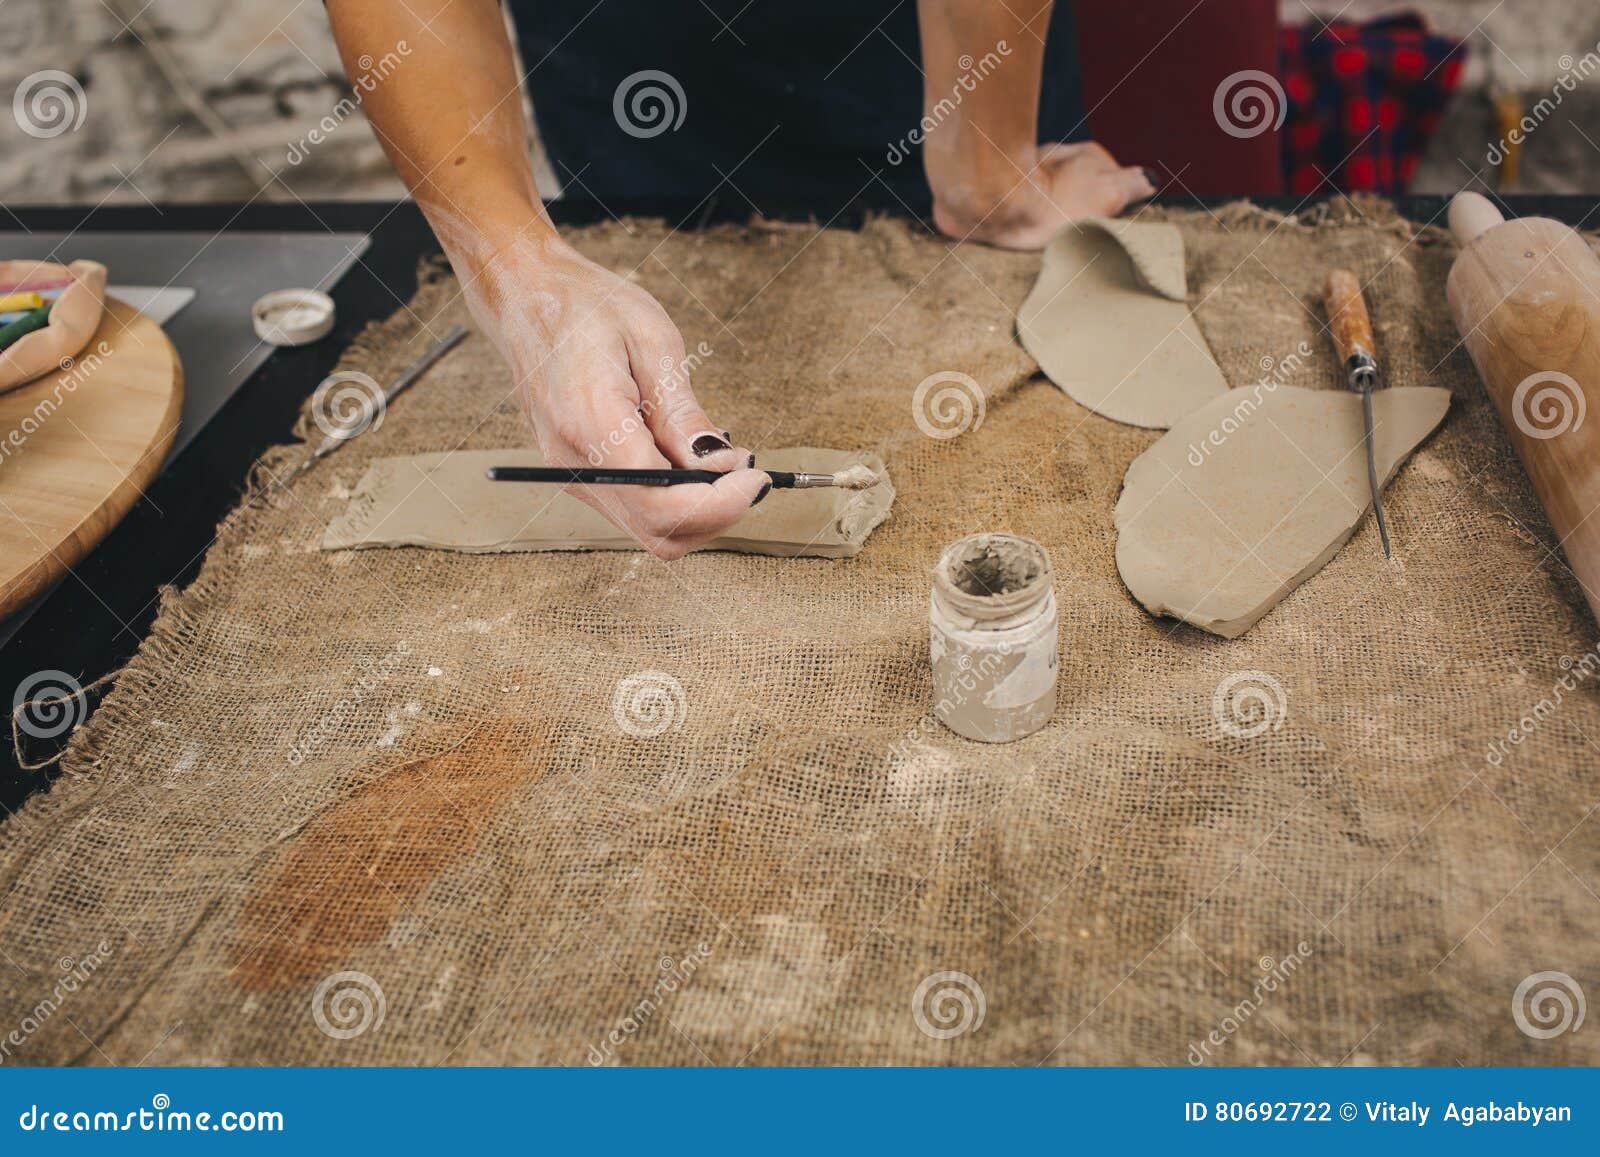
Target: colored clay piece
x=445, y=501
x=1108, y=322
x=1250, y=495
x=20, y=302
x=34, y=319
x=43, y=284
x=74, y=316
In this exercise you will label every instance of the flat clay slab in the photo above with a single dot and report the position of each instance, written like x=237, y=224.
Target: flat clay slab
x=446, y=502
x=1249, y=496
x=1108, y=321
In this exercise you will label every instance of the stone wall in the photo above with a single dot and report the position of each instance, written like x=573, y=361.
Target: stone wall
x=185, y=100
x=208, y=99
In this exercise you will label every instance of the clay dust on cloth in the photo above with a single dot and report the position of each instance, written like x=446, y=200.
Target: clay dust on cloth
x=418, y=806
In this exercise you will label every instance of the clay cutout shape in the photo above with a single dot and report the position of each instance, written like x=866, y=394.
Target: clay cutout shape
x=1108, y=321
x=445, y=501
x=1250, y=495
x=73, y=319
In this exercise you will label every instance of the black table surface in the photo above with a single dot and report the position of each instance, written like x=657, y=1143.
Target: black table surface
x=92, y=623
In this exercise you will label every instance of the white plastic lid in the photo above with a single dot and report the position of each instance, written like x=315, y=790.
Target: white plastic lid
x=292, y=316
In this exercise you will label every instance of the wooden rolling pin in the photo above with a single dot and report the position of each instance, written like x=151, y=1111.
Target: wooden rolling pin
x=1525, y=295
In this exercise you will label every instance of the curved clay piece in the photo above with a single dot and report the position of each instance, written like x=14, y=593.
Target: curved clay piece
x=73, y=319
x=1108, y=321
x=1156, y=251
x=1250, y=495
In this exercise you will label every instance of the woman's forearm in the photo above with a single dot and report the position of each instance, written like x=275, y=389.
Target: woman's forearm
x=448, y=111
x=982, y=68
x=992, y=179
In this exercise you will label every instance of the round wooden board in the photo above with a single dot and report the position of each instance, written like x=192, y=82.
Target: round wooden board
x=78, y=447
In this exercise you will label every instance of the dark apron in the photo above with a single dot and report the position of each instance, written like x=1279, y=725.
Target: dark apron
x=786, y=104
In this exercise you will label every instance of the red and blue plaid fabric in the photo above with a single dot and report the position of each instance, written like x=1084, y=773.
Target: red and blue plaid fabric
x=1364, y=99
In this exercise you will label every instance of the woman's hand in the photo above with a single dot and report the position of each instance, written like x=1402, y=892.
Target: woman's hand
x=605, y=382
x=983, y=68
x=1023, y=205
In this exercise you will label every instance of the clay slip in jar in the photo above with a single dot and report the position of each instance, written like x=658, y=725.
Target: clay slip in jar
x=992, y=636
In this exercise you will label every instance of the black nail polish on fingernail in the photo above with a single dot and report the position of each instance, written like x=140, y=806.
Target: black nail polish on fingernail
x=727, y=437
x=752, y=463
x=709, y=444
x=760, y=494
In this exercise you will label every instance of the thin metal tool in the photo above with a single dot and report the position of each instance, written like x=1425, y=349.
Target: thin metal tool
x=410, y=374
x=1351, y=327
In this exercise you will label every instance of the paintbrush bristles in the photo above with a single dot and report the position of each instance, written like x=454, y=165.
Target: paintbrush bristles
x=857, y=477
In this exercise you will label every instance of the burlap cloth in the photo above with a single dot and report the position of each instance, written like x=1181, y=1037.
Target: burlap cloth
x=406, y=776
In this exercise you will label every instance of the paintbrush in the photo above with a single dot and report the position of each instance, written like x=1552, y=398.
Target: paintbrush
x=856, y=477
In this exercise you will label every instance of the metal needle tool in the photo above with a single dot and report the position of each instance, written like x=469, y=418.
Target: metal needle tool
x=1351, y=327
x=410, y=374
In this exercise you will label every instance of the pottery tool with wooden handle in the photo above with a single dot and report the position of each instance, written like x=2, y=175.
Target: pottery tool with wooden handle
x=1525, y=295
x=453, y=337
x=1351, y=328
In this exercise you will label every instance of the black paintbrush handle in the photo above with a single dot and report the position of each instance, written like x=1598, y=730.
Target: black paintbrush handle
x=600, y=476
